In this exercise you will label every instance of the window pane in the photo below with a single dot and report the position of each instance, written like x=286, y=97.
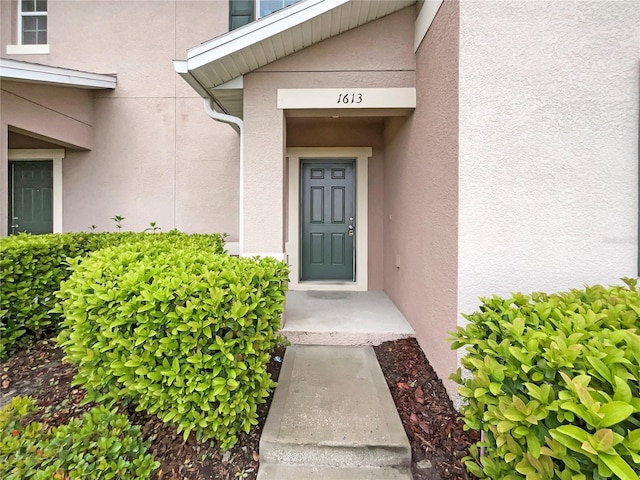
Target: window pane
x=41, y=5
x=29, y=38
x=270, y=6
x=28, y=5
x=34, y=30
x=29, y=23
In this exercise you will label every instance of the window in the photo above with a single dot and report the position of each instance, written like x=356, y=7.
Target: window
x=242, y=12
x=265, y=7
x=32, y=22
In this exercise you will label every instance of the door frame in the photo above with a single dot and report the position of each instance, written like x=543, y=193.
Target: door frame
x=34, y=155
x=361, y=156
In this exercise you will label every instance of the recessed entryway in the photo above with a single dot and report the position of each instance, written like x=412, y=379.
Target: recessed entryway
x=35, y=191
x=327, y=245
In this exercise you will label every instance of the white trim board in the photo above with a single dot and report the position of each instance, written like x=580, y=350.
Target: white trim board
x=292, y=246
x=346, y=98
x=41, y=49
x=425, y=19
x=57, y=154
x=65, y=77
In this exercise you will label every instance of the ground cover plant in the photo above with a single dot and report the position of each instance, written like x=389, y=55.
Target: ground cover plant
x=181, y=333
x=32, y=267
x=554, y=384
x=100, y=444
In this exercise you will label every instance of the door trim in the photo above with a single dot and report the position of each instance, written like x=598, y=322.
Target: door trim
x=292, y=245
x=57, y=154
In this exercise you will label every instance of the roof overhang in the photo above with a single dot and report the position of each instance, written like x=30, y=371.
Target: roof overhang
x=47, y=75
x=212, y=67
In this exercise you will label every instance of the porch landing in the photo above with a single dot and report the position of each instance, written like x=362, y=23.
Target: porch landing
x=342, y=318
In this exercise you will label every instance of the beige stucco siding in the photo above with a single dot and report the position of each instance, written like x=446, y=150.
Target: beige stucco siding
x=65, y=114
x=548, y=145
x=370, y=64
x=156, y=155
x=421, y=197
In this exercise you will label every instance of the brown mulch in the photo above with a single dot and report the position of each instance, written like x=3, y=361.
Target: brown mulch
x=436, y=436
x=438, y=441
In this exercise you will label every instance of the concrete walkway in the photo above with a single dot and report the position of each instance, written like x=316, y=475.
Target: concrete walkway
x=333, y=417
x=342, y=318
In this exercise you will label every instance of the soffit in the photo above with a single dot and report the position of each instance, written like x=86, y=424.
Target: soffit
x=228, y=57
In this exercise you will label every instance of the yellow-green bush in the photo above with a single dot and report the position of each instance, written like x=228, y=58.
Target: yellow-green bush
x=554, y=384
x=181, y=332
x=100, y=445
x=32, y=267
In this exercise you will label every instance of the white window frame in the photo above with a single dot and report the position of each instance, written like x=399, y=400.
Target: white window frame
x=257, y=4
x=33, y=49
x=55, y=154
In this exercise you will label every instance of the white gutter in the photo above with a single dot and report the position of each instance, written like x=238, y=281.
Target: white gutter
x=237, y=123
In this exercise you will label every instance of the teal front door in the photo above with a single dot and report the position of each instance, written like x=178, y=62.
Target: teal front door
x=31, y=197
x=327, y=197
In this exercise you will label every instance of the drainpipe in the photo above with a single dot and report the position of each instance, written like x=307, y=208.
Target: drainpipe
x=238, y=125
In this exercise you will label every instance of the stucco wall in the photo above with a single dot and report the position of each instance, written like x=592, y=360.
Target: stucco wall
x=385, y=59
x=157, y=156
x=548, y=145
x=63, y=114
x=421, y=197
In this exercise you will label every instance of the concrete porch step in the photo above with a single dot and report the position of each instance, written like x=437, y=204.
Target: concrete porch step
x=332, y=412
x=288, y=472
x=342, y=318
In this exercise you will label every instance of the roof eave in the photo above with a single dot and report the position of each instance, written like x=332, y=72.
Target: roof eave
x=47, y=75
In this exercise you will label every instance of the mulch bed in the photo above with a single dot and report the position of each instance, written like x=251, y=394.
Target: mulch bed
x=435, y=431
x=437, y=439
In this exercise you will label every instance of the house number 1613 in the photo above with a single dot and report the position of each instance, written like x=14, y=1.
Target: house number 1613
x=349, y=98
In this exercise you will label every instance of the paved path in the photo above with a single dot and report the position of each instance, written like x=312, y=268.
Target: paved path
x=333, y=417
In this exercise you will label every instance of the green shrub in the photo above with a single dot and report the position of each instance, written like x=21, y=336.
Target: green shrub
x=183, y=333
x=554, y=384
x=100, y=445
x=32, y=267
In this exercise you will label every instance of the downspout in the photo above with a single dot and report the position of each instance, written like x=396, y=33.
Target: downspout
x=234, y=122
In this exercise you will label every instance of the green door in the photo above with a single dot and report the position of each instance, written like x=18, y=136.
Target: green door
x=31, y=197
x=327, y=196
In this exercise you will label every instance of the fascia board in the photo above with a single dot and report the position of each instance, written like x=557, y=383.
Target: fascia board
x=253, y=26
x=228, y=44
x=34, y=73
x=181, y=69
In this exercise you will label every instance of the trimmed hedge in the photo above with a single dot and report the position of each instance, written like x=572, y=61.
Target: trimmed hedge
x=100, y=445
x=183, y=333
x=32, y=267
x=554, y=384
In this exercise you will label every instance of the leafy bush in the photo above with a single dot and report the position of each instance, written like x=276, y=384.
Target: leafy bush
x=100, y=445
x=183, y=333
x=32, y=267
x=555, y=384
